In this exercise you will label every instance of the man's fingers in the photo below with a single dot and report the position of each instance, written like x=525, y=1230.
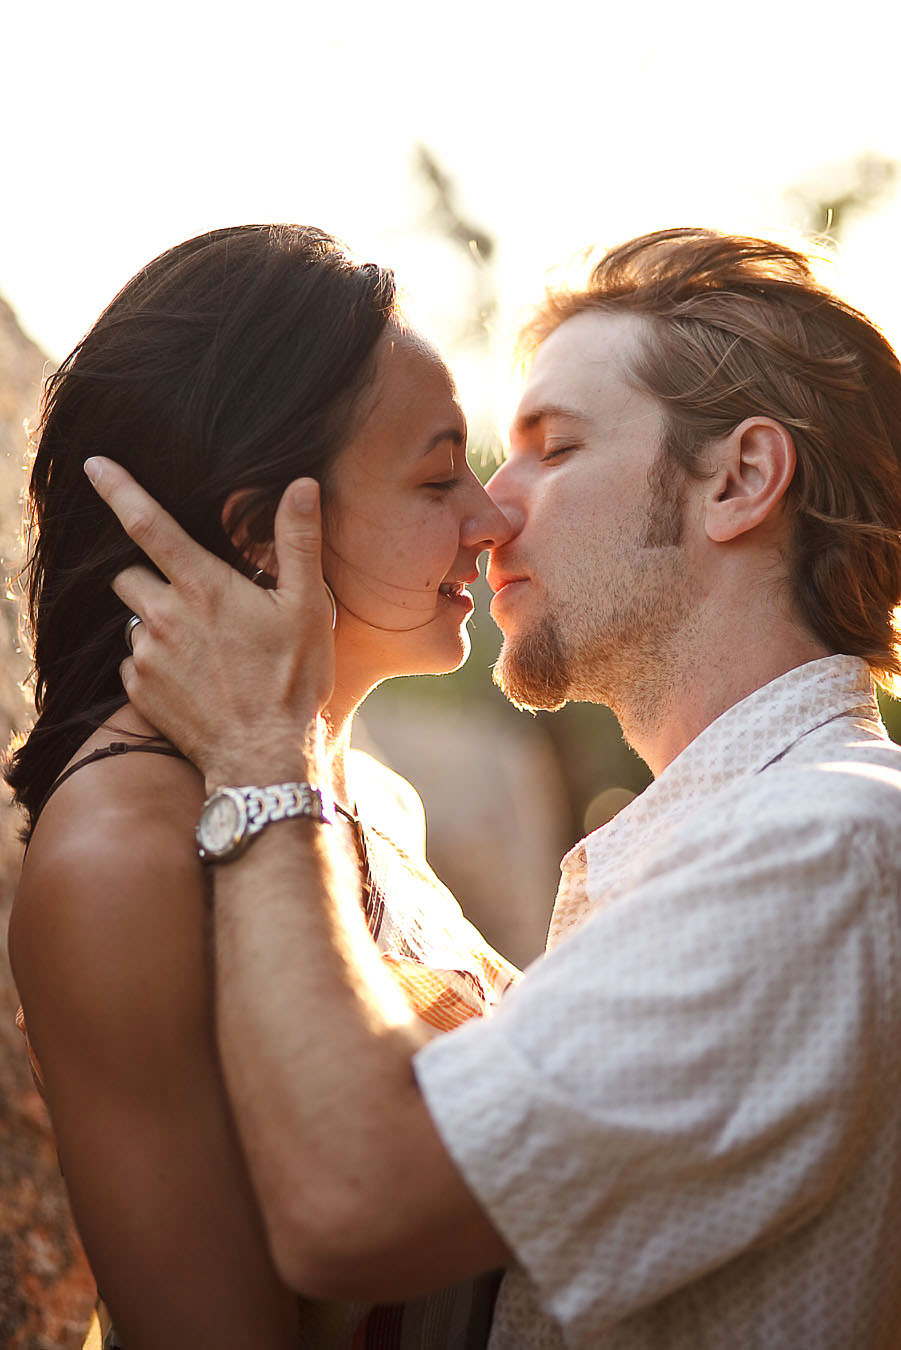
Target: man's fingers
x=138, y=588
x=298, y=539
x=154, y=531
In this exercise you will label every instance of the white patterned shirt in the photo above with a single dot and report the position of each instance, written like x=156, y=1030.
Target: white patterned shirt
x=686, y=1119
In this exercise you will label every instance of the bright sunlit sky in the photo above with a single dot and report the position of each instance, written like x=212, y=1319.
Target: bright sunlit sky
x=130, y=126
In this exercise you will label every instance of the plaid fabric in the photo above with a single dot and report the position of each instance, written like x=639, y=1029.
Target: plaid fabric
x=442, y=998
x=447, y=970
x=29, y=1049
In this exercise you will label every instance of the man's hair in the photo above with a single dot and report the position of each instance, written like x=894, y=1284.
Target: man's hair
x=738, y=327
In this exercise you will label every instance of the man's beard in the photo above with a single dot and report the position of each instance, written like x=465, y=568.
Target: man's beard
x=619, y=652
x=534, y=674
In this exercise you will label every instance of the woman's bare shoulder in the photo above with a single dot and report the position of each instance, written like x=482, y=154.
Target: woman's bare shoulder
x=111, y=874
x=134, y=795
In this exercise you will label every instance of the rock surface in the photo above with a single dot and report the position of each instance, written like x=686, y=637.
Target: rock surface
x=46, y=1289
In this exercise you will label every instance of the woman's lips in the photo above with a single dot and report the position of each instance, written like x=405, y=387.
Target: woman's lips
x=455, y=593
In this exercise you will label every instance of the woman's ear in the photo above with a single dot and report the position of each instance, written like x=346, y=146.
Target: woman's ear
x=260, y=557
x=755, y=464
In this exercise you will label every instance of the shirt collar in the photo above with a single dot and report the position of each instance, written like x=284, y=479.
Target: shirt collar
x=745, y=739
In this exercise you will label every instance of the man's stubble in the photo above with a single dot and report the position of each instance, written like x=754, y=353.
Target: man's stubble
x=611, y=640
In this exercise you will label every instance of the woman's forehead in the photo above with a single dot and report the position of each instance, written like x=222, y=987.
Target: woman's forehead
x=410, y=408
x=412, y=374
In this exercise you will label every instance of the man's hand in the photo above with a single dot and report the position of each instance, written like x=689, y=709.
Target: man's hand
x=233, y=674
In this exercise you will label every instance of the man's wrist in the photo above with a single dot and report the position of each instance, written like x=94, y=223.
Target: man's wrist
x=243, y=769
x=273, y=758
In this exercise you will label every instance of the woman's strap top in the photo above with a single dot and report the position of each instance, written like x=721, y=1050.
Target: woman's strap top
x=107, y=752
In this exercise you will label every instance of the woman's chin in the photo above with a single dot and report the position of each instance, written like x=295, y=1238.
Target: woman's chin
x=447, y=663
x=377, y=653
x=440, y=658
x=460, y=660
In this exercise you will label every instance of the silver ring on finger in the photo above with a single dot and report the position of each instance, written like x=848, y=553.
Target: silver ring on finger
x=333, y=602
x=130, y=626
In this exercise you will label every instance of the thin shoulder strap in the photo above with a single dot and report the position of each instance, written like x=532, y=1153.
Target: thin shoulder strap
x=107, y=752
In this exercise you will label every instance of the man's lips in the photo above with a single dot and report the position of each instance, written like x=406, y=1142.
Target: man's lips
x=499, y=581
x=506, y=587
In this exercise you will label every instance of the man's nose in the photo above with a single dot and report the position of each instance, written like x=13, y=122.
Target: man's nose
x=490, y=527
x=501, y=488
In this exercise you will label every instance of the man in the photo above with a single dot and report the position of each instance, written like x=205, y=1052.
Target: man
x=683, y=1127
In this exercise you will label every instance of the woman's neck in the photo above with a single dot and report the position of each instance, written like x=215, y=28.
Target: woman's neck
x=337, y=747
x=340, y=715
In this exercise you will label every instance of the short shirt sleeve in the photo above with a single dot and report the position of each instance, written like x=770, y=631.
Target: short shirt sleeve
x=678, y=1081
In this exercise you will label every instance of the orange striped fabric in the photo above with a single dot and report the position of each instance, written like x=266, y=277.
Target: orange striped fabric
x=32, y=1057
x=443, y=998
x=447, y=970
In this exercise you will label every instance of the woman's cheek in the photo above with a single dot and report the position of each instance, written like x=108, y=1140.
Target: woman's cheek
x=399, y=561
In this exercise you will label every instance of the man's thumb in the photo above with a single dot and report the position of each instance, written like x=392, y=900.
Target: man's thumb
x=298, y=537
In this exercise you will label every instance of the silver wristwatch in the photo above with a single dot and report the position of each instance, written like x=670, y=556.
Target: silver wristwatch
x=231, y=817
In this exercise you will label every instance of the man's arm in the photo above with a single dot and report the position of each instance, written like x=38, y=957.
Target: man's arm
x=360, y=1196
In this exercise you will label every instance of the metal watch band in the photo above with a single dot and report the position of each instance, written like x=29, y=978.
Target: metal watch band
x=283, y=801
x=248, y=810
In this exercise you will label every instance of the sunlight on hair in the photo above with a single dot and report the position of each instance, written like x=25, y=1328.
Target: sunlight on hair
x=893, y=682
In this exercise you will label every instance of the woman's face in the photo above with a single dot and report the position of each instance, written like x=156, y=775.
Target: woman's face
x=406, y=520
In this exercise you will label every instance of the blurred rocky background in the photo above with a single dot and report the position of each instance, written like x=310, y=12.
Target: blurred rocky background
x=46, y=1290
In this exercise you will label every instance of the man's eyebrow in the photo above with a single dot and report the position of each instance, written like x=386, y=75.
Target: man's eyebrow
x=528, y=421
x=453, y=434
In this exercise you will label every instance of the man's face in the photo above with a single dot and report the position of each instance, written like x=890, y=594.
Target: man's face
x=591, y=590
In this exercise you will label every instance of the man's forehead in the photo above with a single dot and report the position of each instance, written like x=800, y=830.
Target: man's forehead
x=580, y=367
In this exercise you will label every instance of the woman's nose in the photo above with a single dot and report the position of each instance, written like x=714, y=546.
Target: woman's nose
x=489, y=526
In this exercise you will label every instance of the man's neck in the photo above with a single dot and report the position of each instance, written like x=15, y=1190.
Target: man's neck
x=706, y=684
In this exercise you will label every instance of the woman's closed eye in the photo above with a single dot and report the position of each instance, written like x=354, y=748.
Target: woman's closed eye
x=554, y=452
x=444, y=484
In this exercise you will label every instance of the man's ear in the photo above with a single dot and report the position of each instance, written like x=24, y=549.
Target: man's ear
x=753, y=467
x=258, y=556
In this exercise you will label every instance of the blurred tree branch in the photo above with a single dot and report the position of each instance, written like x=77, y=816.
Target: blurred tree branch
x=832, y=196
x=471, y=240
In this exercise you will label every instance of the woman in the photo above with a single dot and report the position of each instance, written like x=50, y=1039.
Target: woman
x=227, y=368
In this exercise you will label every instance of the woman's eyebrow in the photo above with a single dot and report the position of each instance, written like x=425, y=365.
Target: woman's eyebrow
x=452, y=434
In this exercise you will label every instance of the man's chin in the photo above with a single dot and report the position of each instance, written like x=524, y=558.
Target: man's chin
x=532, y=672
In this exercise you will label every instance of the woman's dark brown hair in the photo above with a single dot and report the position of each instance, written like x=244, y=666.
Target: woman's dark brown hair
x=233, y=362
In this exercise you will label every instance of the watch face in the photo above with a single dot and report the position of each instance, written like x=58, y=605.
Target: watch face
x=221, y=824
